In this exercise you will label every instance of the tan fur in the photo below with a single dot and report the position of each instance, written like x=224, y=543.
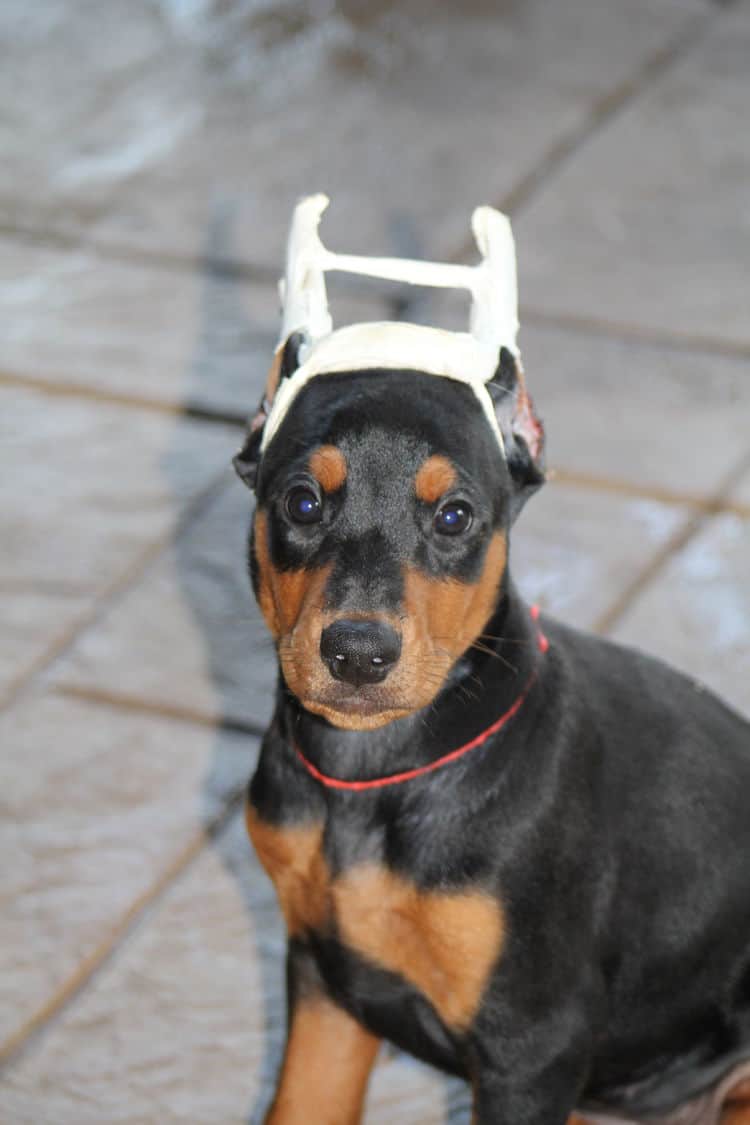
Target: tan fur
x=328, y=466
x=450, y=614
x=435, y=476
x=293, y=859
x=284, y=594
x=444, y=943
x=736, y=1109
x=274, y=372
x=326, y=1066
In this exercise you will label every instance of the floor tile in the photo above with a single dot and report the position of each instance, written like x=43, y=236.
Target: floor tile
x=741, y=491
x=200, y=642
x=574, y=550
x=697, y=614
x=191, y=120
x=33, y=617
x=651, y=416
x=164, y=336
x=89, y=486
x=187, y=1023
x=649, y=225
x=95, y=805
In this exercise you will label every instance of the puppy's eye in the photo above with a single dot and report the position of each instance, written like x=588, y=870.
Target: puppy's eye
x=303, y=506
x=453, y=518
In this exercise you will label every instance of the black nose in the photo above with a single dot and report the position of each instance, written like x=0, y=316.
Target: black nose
x=360, y=652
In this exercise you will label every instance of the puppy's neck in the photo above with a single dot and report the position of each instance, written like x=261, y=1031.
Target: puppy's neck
x=483, y=685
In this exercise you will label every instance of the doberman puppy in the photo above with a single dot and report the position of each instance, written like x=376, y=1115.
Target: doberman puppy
x=516, y=851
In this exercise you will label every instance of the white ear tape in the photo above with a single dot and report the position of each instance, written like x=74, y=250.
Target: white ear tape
x=468, y=357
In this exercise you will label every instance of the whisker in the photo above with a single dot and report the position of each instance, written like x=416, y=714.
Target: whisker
x=468, y=695
x=507, y=640
x=495, y=655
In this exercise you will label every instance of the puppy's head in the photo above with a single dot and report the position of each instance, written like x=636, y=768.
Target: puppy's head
x=379, y=545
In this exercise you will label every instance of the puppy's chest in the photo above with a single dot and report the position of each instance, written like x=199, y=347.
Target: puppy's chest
x=444, y=942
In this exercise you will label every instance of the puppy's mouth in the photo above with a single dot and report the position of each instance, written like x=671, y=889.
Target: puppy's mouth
x=359, y=672
x=358, y=708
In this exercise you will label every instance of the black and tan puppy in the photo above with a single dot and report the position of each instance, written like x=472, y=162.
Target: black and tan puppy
x=522, y=856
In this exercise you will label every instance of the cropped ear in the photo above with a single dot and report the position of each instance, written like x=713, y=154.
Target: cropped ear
x=522, y=430
x=286, y=360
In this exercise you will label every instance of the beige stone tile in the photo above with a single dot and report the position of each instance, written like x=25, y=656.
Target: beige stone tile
x=575, y=550
x=189, y=635
x=95, y=806
x=651, y=416
x=194, y=128
x=696, y=615
x=187, y=1023
x=741, y=491
x=87, y=487
x=648, y=225
x=32, y=617
x=119, y=327
x=90, y=483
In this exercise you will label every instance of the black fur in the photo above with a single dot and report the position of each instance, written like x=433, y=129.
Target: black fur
x=610, y=817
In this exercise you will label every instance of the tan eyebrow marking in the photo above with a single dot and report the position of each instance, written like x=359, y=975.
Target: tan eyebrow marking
x=328, y=466
x=434, y=477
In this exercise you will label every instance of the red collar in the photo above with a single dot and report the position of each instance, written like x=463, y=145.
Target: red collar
x=452, y=756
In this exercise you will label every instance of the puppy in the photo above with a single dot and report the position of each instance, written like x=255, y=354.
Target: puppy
x=518, y=852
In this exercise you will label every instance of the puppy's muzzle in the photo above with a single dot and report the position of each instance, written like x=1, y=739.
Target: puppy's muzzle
x=360, y=652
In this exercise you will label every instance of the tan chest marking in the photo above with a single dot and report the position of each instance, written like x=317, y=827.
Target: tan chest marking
x=293, y=859
x=445, y=944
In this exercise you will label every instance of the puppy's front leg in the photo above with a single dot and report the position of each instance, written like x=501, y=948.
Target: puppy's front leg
x=328, y=1058
x=505, y=1105
x=534, y=1078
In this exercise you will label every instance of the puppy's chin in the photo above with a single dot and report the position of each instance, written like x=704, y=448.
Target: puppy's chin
x=353, y=718
x=366, y=707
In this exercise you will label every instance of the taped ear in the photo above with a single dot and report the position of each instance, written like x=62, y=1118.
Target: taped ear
x=286, y=360
x=522, y=430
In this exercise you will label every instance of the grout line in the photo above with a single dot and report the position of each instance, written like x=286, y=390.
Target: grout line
x=676, y=543
x=120, y=701
x=47, y=587
x=114, y=589
x=41, y=1020
x=638, y=334
x=230, y=269
x=238, y=419
x=711, y=505
x=71, y=388
x=603, y=110
x=608, y=106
